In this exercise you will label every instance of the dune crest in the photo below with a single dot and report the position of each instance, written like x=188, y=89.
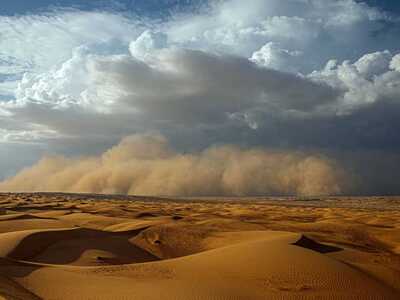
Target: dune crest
x=152, y=248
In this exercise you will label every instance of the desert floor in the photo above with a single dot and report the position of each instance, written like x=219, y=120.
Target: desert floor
x=79, y=246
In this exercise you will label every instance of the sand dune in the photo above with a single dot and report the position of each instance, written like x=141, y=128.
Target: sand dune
x=196, y=249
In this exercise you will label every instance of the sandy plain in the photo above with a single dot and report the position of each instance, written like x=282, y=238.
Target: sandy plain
x=81, y=246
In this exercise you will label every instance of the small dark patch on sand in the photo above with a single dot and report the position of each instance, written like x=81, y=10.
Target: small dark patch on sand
x=308, y=243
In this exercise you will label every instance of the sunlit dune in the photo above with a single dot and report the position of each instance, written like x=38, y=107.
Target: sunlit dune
x=81, y=246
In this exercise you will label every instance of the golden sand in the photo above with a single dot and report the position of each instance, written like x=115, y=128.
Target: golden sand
x=79, y=246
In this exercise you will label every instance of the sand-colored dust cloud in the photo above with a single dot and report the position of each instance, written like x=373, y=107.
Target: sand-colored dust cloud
x=146, y=165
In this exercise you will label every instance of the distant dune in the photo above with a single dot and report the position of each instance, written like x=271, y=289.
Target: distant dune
x=81, y=246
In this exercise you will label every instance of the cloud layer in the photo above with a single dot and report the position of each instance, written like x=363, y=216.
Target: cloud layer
x=310, y=76
x=194, y=92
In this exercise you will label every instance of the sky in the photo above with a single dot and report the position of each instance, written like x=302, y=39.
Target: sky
x=313, y=84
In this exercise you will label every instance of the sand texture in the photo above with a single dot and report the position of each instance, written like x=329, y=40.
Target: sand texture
x=80, y=246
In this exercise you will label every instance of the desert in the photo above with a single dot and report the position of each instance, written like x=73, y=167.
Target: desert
x=199, y=149
x=87, y=246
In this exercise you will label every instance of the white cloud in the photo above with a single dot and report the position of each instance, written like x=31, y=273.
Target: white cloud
x=321, y=28
x=368, y=80
x=373, y=64
x=146, y=43
x=274, y=57
x=37, y=43
x=59, y=86
x=46, y=40
x=29, y=136
x=395, y=63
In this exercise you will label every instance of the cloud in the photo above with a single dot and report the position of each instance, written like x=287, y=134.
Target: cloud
x=116, y=95
x=343, y=29
x=395, y=63
x=173, y=87
x=146, y=43
x=373, y=64
x=272, y=56
x=314, y=76
x=370, y=79
x=36, y=43
x=145, y=165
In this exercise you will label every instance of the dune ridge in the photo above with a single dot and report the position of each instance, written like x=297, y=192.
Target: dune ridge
x=135, y=248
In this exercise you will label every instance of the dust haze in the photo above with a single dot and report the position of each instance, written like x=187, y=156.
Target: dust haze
x=146, y=165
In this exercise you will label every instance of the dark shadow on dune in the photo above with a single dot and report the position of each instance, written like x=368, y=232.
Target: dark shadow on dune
x=13, y=269
x=146, y=215
x=300, y=219
x=26, y=217
x=67, y=246
x=9, y=289
x=25, y=208
x=308, y=243
x=381, y=226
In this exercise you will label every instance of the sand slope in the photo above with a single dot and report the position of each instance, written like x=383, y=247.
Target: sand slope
x=258, y=264
x=164, y=250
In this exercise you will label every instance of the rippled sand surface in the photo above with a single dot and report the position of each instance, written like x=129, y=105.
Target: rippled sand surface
x=80, y=246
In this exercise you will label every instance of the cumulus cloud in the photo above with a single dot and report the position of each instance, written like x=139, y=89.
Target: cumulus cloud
x=343, y=29
x=395, y=63
x=145, y=165
x=117, y=94
x=272, y=56
x=370, y=79
x=146, y=43
x=173, y=86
